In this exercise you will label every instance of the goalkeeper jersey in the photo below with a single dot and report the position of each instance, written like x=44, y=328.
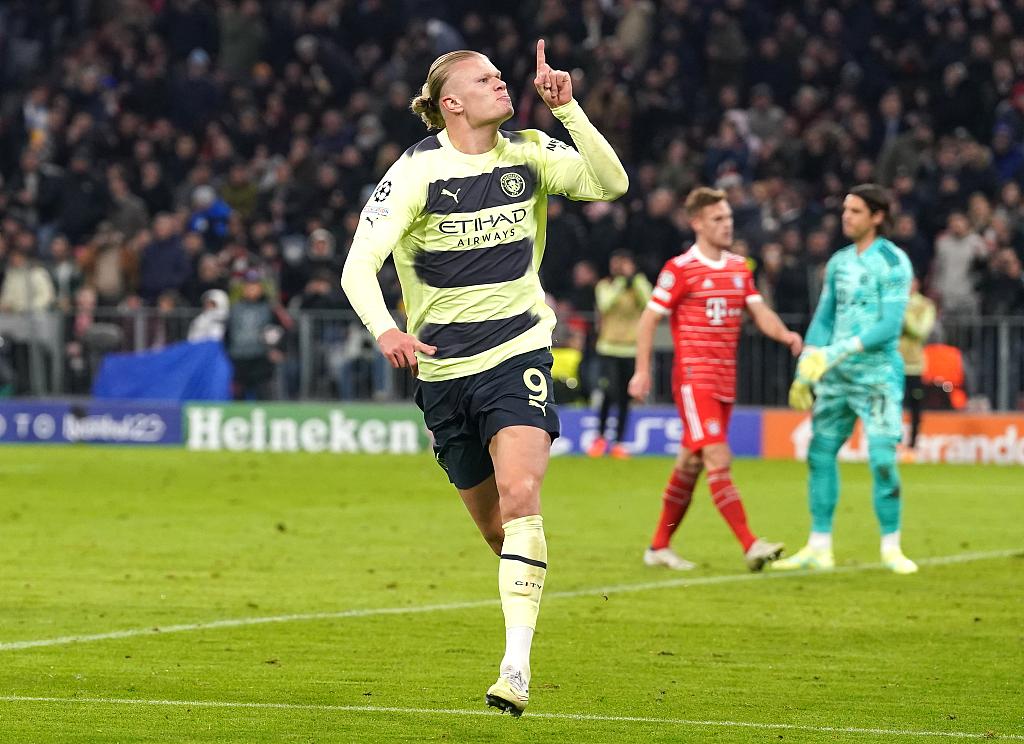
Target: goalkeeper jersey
x=859, y=292
x=467, y=234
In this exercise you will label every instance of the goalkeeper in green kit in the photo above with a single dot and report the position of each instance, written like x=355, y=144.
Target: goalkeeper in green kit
x=851, y=368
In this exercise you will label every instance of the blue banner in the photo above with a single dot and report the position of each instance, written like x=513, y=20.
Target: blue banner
x=90, y=421
x=656, y=430
x=182, y=371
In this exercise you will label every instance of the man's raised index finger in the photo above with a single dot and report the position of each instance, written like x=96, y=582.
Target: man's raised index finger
x=540, y=54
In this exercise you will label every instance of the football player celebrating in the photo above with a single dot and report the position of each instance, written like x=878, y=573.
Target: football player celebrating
x=463, y=213
x=704, y=292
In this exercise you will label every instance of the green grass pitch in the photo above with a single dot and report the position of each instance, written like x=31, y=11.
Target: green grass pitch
x=99, y=540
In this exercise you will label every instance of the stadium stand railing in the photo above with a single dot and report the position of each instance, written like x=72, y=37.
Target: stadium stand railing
x=330, y=356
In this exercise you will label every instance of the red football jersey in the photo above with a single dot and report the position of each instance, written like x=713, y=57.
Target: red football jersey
x=705, y=300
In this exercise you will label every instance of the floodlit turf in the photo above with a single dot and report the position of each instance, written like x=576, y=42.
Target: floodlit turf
x=99, y=540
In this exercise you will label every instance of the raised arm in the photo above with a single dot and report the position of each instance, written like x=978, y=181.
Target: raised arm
x=592, y=172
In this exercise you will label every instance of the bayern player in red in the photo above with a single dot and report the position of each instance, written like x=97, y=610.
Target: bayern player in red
x=704, y=292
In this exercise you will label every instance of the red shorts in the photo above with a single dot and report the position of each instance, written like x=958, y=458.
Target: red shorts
x=705, y=418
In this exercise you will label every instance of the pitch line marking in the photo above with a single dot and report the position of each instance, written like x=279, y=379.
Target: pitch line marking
x=368, y=612
x=550, y=716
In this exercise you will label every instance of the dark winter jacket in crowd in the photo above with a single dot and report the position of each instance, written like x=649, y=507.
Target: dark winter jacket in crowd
x=164, y=265
x=82, y=204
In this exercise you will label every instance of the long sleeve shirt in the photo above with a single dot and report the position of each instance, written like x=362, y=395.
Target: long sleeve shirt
x=467, y=233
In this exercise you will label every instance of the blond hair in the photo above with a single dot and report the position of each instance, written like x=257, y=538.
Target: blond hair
x=427, y=105
x=700, y=198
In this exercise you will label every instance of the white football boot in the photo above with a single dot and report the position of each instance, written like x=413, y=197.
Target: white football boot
x=762, y=552
x=510, y=693
x=667, y=557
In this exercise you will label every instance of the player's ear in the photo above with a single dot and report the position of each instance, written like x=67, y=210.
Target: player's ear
x=451, y=104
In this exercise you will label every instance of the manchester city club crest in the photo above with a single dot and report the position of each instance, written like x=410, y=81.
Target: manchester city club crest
x=513, y=184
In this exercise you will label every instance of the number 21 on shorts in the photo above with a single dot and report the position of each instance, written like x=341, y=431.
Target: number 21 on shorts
x=537, y=384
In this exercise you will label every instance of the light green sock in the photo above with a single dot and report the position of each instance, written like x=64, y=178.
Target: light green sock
x=522, y=570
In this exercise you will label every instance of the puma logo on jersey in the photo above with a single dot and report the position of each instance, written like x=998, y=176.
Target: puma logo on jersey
x=365, y=217
x=455, y=196
x=542, y=406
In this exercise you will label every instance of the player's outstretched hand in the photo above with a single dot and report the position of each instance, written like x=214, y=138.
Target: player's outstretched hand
x=400, y=349
x=639, y=386
x=794, y=342
x=554, y=86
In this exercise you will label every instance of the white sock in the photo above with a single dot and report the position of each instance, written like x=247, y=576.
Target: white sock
x=890, y=541
x=517, y=650
x=820, y=541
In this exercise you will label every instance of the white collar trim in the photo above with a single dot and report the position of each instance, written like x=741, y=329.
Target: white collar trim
x=699, y=255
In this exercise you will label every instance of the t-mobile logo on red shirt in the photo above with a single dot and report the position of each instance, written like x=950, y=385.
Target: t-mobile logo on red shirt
x=716, y=310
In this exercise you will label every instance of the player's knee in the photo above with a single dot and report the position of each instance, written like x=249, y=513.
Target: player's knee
x=692, y=464
x=717, y=457
x=519, y=496
x=822, y=452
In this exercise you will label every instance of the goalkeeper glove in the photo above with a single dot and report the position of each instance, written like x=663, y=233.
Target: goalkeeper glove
x=814, y=363
x=800, y=396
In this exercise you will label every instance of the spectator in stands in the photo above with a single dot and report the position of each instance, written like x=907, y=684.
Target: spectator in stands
x=208, y=277
x=251, y=340
x=33, y=191
x=240, y=193
x=653, y=234
x=209, y=325
x=604, y=224
x=81, y=200
x=243, y=34
x=164, y=264
x=918, y=250
x=166, y=326
x=26, y=286
x=765, y=119
x=210, y=216
x=65, y=272
x=958, y=255
x=1002, y=287
x=195, y=98
x=153, y=189
x=566, y=240
x=77, y=348
x=127, y=212
x=111, y=265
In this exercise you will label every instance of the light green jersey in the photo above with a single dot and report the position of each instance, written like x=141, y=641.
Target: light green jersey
x=467, y=233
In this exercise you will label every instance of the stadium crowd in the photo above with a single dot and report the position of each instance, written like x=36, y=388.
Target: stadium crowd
x=154, y=150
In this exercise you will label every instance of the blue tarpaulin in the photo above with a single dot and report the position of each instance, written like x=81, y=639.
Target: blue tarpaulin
x=183, y=371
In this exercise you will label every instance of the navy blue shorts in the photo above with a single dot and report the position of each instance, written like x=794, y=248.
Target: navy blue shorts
x=465, y=413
